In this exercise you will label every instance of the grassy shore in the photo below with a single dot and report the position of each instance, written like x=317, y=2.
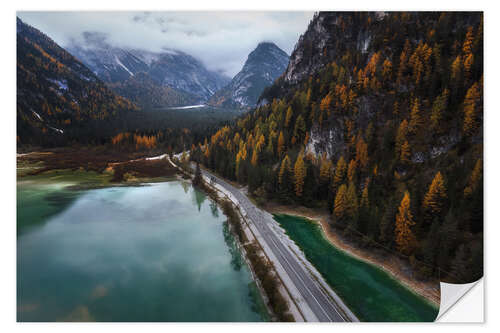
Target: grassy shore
x=119, y=166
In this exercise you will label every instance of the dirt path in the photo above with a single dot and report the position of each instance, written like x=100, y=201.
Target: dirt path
x=392, y=264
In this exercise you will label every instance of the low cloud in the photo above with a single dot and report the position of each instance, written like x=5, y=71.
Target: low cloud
x=221, y=40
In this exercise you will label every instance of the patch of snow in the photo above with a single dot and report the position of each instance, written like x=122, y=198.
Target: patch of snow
x=56, y=129
x=187, y=107
x=159, y=157
x=436, y=151
x=122, y=65
x=62, y=84
x=36, y=114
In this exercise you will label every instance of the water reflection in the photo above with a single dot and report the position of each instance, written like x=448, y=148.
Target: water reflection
x=133, y=254
x=236, y=258
x=199, y=198
x=214, y=209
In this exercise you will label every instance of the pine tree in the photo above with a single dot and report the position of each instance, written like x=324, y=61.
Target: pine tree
x=435, y=197
x=289, y=114
x=300, y=171
x=438, y=108
x=386, y=70
x=255, y=158
x=365, y=201
x=341, y=203
x=352, y=202
x=281, y=144
x=325, y=104
x=471, y=122
x=198, y=179
x=403, y=61
x=469, y=41
x=405, y=152
x=401, y=137
x=468, y=62
x=456, y=68
x=362, y=153
x=285, y=169
x=405, y=240
x=351, y=170
x=474, y=178
x=340, y=172
x=415, y=117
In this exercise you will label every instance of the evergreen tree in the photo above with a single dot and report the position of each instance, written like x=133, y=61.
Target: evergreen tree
x=341, y=204
x=405, y=239
x=198, y=178
x=340, y=172
x=415, y=117
x=281, y=144
x=405, y=152
x=362, y=153
x=289, y=114
x=471, y=122
x=352, y=205
x=351, y=170
x=401, y=136
x=300, y=172
x=438, y=108
x=435, y=197
x=285, y=169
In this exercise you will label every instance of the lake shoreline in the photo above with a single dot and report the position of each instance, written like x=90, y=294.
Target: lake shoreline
x=252, y=253
x=90, y=304
x=394, y=266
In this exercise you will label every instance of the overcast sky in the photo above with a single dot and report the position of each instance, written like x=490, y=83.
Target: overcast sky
x=221, y=40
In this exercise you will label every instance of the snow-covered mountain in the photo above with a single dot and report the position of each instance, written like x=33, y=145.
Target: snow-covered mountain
x=264, y=65
x=169, y=68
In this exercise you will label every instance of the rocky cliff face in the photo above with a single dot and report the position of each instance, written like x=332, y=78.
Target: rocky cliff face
x=169, y=68
x=264, y=65
x=328, y=35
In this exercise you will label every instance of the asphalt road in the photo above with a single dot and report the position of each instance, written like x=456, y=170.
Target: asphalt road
x=323, y=306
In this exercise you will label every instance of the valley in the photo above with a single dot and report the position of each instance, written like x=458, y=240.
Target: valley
x=341, y=181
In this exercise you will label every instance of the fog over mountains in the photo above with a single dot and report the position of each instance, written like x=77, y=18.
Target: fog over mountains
x=170, y=68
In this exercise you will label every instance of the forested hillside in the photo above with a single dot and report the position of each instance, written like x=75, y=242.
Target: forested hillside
x=378, y=117
x=55, y=92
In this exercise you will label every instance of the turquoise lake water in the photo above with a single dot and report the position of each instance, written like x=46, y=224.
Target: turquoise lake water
x=371, y=293
x=160, y=252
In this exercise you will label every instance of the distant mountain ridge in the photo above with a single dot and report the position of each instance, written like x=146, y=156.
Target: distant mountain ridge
x=169, y=68
x=263, y=65
x=144, y=91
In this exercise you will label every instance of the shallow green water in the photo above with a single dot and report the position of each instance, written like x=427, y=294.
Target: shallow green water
x=368, y=291
x=160, y=252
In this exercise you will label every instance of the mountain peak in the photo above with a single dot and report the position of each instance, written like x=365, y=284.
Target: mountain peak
x=263, y=65
x=266, y=44
x=267, y=49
